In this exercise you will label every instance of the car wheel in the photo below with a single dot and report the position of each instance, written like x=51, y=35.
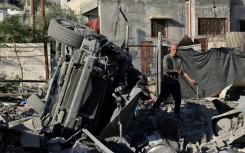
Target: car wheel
x=68, y=32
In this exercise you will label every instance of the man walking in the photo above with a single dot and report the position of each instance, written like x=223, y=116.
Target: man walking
x=172, y=68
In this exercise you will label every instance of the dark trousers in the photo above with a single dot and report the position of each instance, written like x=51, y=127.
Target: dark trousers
x=166, y=90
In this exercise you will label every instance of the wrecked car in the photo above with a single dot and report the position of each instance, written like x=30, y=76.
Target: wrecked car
x=92, y=95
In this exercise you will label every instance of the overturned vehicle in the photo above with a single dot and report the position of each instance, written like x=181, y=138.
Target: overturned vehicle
x=92, y=95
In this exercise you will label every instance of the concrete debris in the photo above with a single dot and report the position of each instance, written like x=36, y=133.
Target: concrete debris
x=79, y=147
x=56, y=140
x=149, y=132
x=30, y=139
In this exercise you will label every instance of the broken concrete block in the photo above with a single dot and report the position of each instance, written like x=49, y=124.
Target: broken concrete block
x=27, y=123
x=79, y=147
x=30, y=139
x=3, y=123
x=213, y=150
x=2, y=119
x=54, y=144
x=59, y=140
x=154, y=139
x=54, y=148
x=36, y=103
x=18, y=124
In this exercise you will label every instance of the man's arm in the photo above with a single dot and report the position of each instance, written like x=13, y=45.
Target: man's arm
x=192, y=82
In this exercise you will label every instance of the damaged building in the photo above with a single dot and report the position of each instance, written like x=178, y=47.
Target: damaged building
x=197, y=18
x=211, y=23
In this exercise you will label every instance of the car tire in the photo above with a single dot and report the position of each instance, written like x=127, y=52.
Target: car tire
x=68, y=32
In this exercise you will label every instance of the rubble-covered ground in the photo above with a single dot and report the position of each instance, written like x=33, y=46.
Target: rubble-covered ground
x=189, y=132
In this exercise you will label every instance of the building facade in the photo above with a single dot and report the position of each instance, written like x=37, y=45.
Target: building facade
x=175, y=18
x=8, y=10
x=211, y=23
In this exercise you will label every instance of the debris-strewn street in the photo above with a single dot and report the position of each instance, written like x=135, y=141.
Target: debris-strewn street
x=149, y=131
x=98, y=102
x=99, y=96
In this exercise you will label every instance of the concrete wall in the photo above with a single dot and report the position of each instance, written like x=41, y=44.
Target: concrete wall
x=139, y=14
x=88, y=5
x=31, y=57
x=14, y=12
x=8, y=12
x=73, y=4
x=79, y=6
x=210, y=9
x=205, y=9
x=56, y=1
x=3, y=14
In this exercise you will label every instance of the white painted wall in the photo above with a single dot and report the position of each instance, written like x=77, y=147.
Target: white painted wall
x=73, y=4
x=14, y=12
x=7, y=12
x=3, y=14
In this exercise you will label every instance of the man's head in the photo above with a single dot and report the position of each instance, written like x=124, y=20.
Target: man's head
x=173, y=50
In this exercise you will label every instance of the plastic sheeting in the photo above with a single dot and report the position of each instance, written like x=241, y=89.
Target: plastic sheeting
x=213, y=70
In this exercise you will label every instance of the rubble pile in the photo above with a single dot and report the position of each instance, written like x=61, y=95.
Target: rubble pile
x=191, y=131
x=189, y=128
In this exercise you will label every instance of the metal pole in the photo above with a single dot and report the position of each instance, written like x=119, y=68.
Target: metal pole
x=126, y=42
x=44, y=41
x=159, y=63
x=32, y=14
x=189, y=19
x=197, y=92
